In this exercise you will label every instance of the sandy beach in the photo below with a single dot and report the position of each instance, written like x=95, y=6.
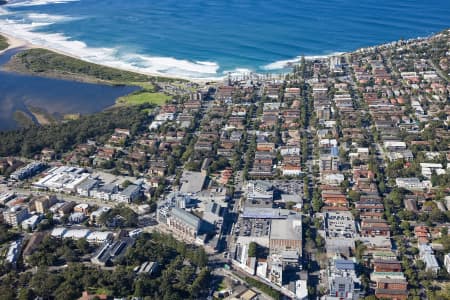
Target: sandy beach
x=15, y=43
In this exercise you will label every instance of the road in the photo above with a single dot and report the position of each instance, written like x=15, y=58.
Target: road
x=438, y=70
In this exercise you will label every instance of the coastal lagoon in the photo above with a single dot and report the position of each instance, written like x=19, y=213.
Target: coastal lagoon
x=208, y=39
x=57, y=97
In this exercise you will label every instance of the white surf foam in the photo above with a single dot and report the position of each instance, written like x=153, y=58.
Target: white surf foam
x=46, y=18
x=281, y=64
x=238, y=72
x=38, y=2
x=105, y=56
x=3, y=12
x=167, y=65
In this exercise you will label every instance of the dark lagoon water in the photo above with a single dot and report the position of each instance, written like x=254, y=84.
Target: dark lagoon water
x=56, y=96
x=209, y=38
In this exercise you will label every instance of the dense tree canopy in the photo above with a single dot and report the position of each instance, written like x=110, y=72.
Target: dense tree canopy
x=182, y=274
x=62, y=137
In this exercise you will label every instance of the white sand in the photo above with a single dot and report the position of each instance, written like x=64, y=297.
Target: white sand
x=15, y=43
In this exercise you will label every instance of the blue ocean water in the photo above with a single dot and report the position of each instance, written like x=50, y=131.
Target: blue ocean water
x=209, y=38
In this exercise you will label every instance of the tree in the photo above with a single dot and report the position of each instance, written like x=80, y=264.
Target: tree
x=6, y=293
x=405, y=226
x=44, y=283
x=139, y=288
x=25, y=294
x=200, y=257
x=290, y=204
x=69, y=254
x=317, y=203
x=354, y=196
x=420, y=265
x=345, y=185
x=320, y=242
x=252, y=249
x=382, y=187
x=438, y=216
x=201, y=282
x=396, y=196
x=67, y=291
x=63, y=136
x=83, y=246
x=185, y=275
x=360, y=250
x=219, y=164
x=126, y=183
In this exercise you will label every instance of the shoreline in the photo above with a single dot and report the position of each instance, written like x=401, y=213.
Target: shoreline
x=15, y=42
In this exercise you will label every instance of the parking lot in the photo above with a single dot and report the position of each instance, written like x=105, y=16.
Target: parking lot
x=252, y=227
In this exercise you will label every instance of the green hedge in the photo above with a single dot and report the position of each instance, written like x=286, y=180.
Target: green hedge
x=264, y=288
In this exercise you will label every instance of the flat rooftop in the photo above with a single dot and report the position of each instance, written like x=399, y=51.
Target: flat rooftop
x=192, y=182
x=288, y=229
x=252, y=227
x=265, y=213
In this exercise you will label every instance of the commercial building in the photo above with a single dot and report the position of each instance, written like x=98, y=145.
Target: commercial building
x=128, y=195
x=99, y=237
x=101, y=257
x=31, y=222
x=77, y=217
x=148, y=267
x=110, y=251
x=286, y=234
x=105, y=192
x=95, y=215
x=32, y=244
x=340, y=232
x=342, y=280
x=66, y=208
x=62, y=179
x=14, y=252
x=431, y=263
x=94, y=237
x=264, y=213
x=184, y=223
x=81, y=208
x=15, y=215
x=6, y=196
x=192, y=182
x=328, y=163
x=43, y=203
x=276, y=270
x=85, y=188
x=28, y=171
x=259, y=193
x=427, y=256
x=412, y=183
